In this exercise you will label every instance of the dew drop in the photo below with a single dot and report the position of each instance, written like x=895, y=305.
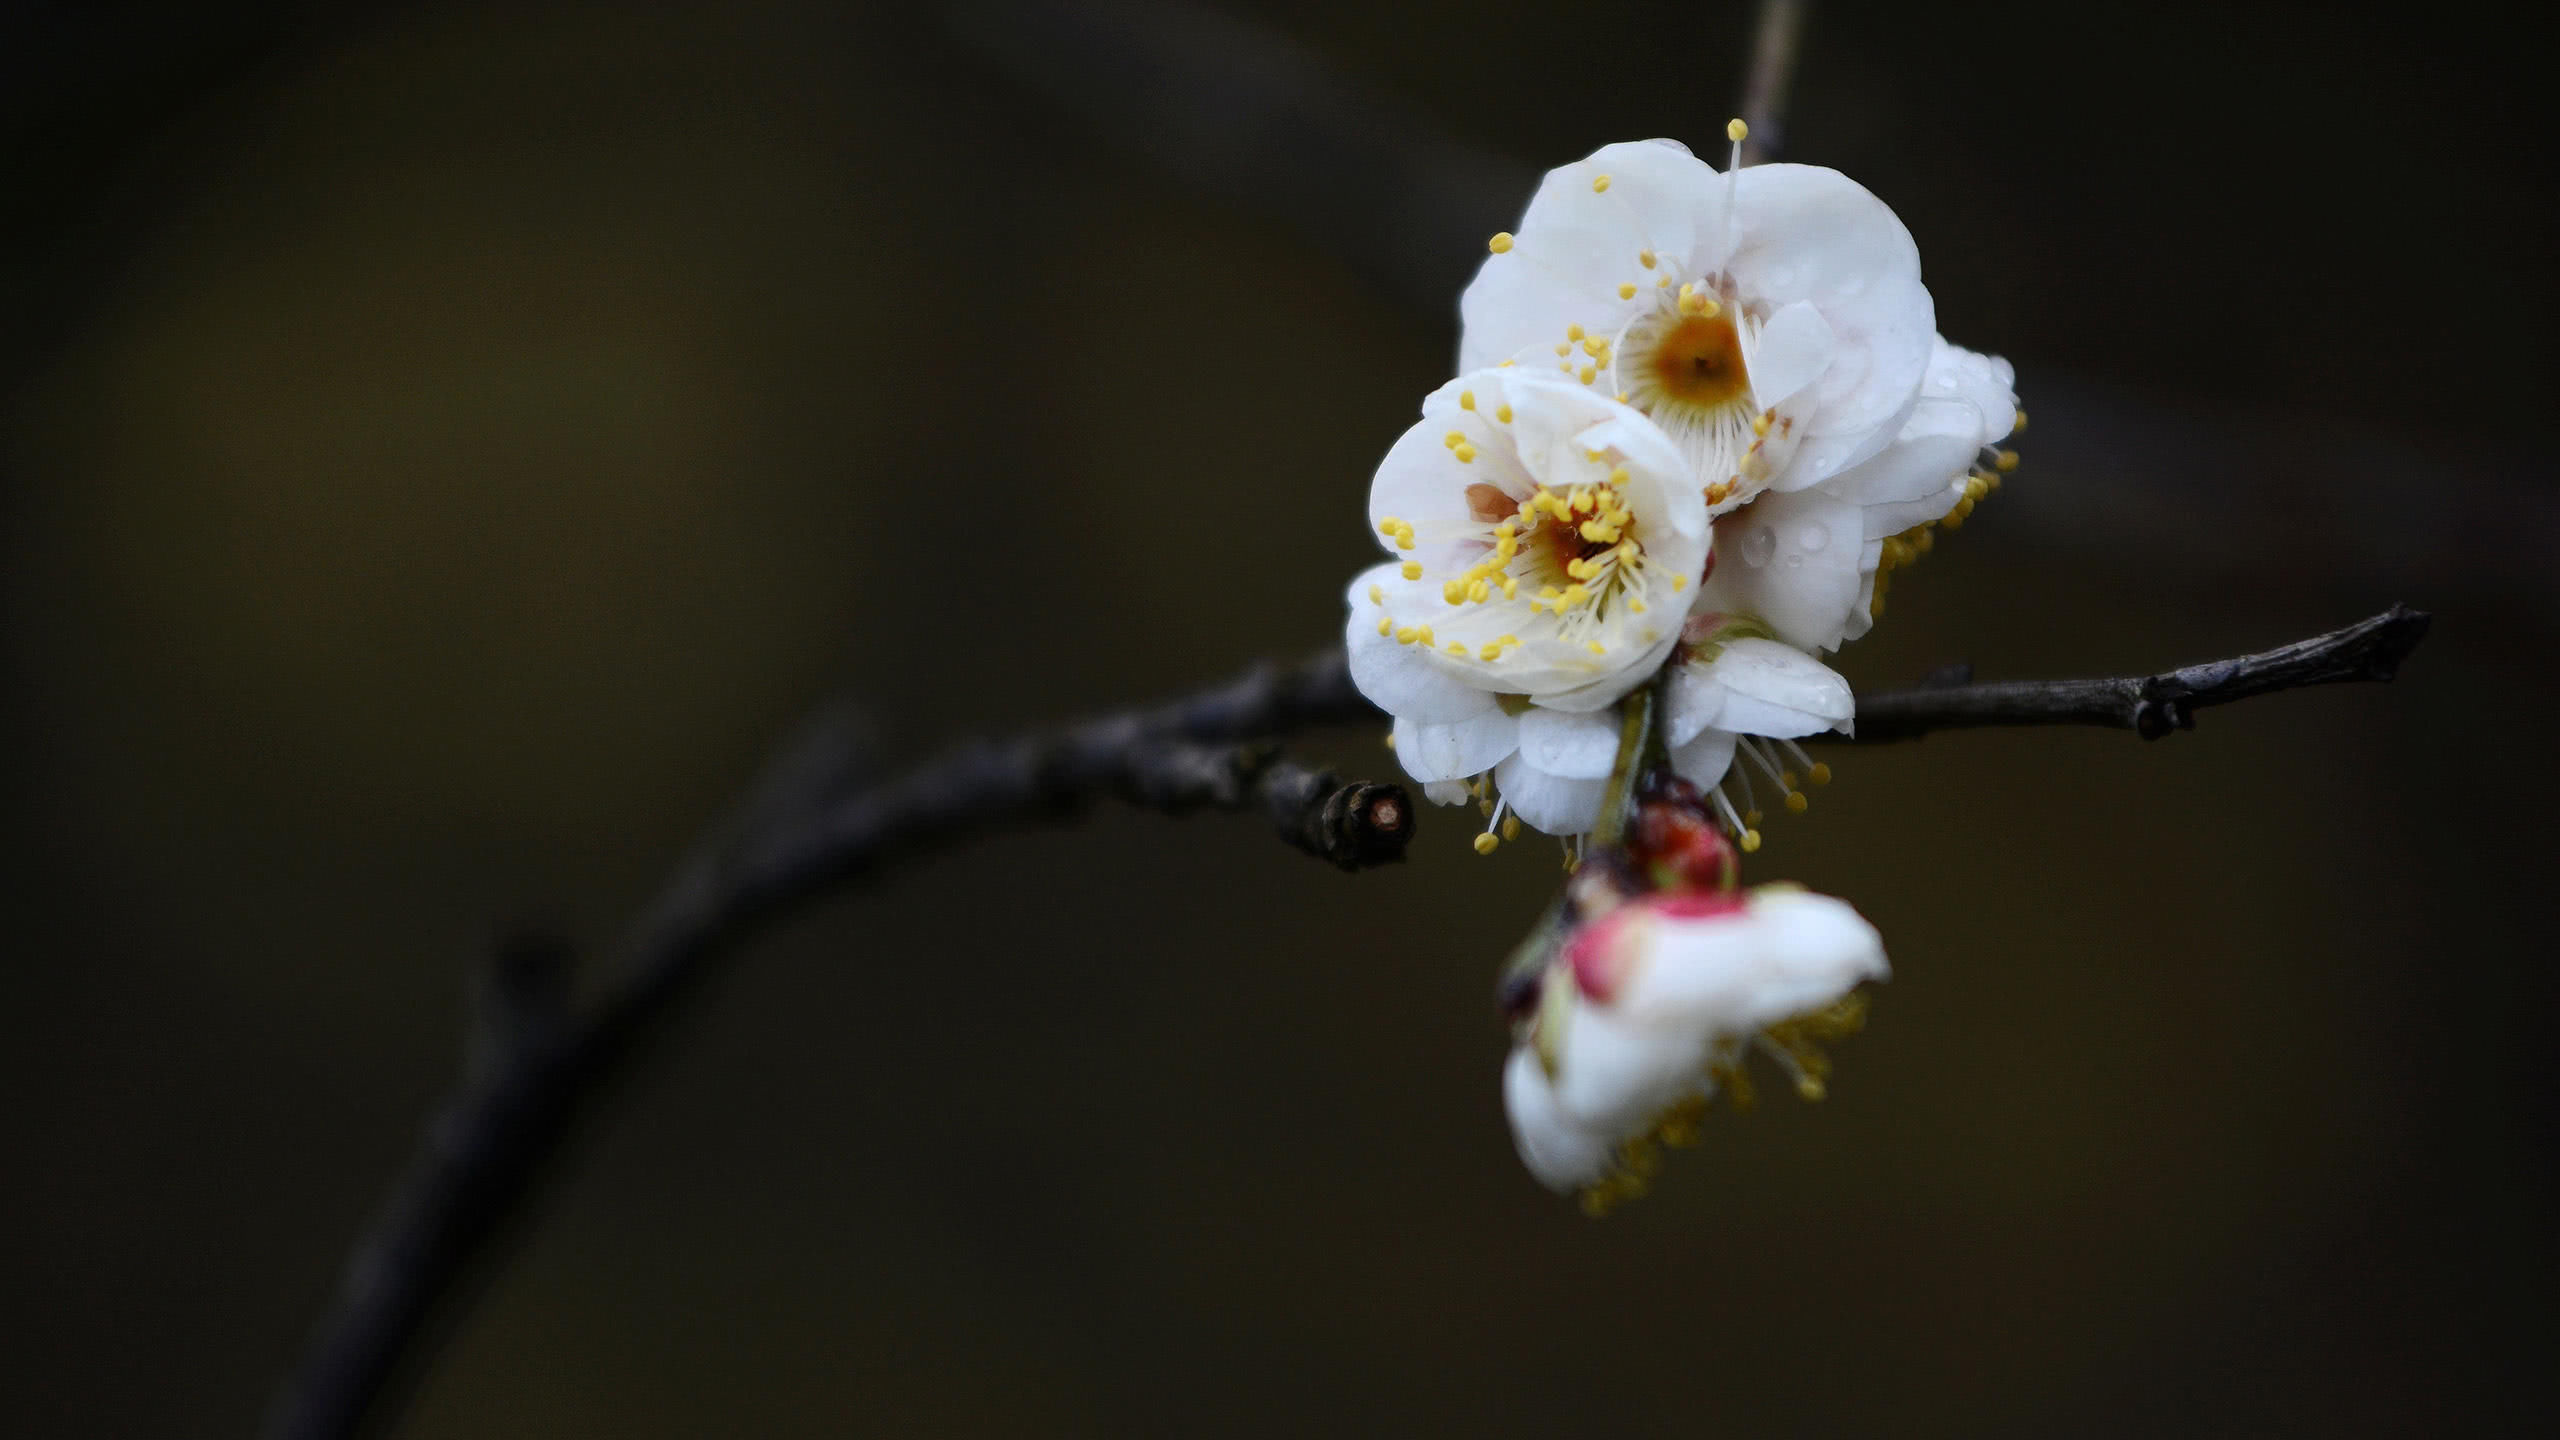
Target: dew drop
x=1795, y=562
x=1813, y=537
x=1758, y=546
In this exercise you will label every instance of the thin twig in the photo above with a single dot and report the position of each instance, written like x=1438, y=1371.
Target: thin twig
x=536, y=1068
x=2150, y=705
x=1775, y=38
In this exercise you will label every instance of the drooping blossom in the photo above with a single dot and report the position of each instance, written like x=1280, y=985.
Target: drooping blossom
x=1650, y=1008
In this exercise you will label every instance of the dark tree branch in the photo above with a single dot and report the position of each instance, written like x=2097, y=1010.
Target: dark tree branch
x=1775, y=37
x=2150, y=705
x=535, y=1067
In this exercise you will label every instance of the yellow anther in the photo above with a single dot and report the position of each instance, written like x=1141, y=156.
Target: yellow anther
x=1564, y=347
x=1500, y=244
x=2004, y=460
x=1391, y=740
x=1506, y=641
x=1597, y=648
x=1953, y=519
x=1386, y=626
x=1796, y=803
x=1599, y=184
x=1486, y=842
x=1679, y=583
x=1490, y=652
x=1750, y=841
x=1751, y=817
x=1466, y=454
x=1457, y=649
x=1480, y=591
x=1510, y=588
x=1404, y=541
x=1645, y=258
x=1736, y=131
x=1466, y=399
x=1413, y=569
x=1618, y=475
x=1810, y=1087
x=1506, y=529
x=1975, y=488
x=1453, y=592
x=2018, y=424
x=1820, y=774
x=1586, y=374
x=1405, y=634
x=1390, y=525
x=1760, y=423
x=1454, y=439
x=1377, y=595
x=1635, y=606
x=1575, y=595
x=1571, y=332
x=1592, y=531
x=1583, y=499
x=1502, y=413
x=1627, y=292
x=1422, y=635
x=1595, y=347
x=1787, y=780
x=1510, y=827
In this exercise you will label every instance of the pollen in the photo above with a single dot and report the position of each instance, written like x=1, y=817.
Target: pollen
x=1466, y=454
x=1502, y=413
x=2004, y=460
x=1466, y=399
x=1413, y=569
x=1599, y=184
x=1645, y=258
x=1736, y=131
x=1500, y=244
x=1627, y=291
x=1486, y=842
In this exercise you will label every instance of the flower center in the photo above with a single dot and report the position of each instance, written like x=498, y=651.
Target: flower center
x=1698, y=362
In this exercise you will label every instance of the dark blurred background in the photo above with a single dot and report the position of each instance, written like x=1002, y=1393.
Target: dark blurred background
x=446, y=445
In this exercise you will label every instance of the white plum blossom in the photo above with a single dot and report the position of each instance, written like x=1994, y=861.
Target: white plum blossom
x=1736, y=700
x=1546, y=540
x=1649, y=1010
x=1771, y=319
x=1805, y=562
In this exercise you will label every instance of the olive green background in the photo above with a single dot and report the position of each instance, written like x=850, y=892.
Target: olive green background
x=445, y=446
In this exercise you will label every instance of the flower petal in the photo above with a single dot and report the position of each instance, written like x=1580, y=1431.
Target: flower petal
x=1556, y=804
x=1808, y=233
x=1788, y=951
x=1778, y=690
x=1792, y=560
x=1409, y=682
x=1453, y=752
x=1578, y=244
x=1561, y=1152
x=1704, y=758
x=1795, y=348
x=1578, y=746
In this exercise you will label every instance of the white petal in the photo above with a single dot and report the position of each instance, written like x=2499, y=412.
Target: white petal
x=1615, y=1074
x=1628, y=667
x=1407, y=681
x=1704, y=759
x=1578, y=746
x=1446, y=792
x=1778, y=690
x=1983, y=382
x=1807, y=233
x=1795, y=348
x=1577, y=245
x=1453, y=752
x=1556, y=804
x=1563, y=1154
x=1791, y=560
x=1936, y=446
x=1787, y=952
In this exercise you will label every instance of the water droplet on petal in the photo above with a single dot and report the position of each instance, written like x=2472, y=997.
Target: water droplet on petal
x=1758, y=546
x=1813, y=537
x=1795, y=562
